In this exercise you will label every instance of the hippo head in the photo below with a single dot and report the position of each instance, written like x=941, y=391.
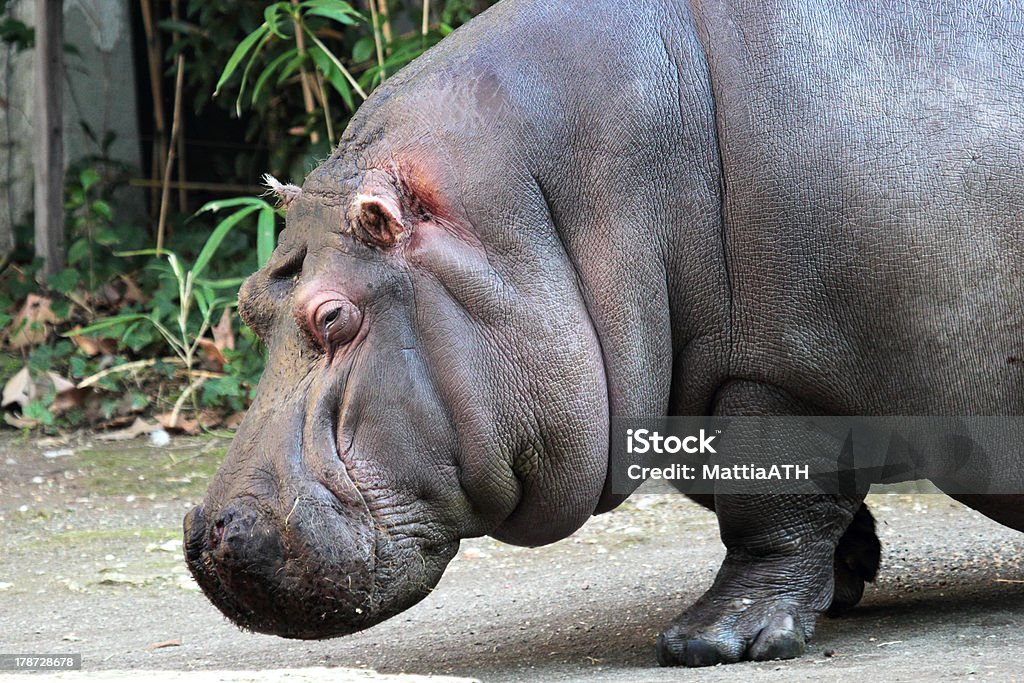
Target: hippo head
x=433, y=374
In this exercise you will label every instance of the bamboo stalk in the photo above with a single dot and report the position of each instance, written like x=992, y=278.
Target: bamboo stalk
x=385, y=24
x=182, y=188
x=341, y=67
x=426, y=18
x=307, y=91
x=326, y=108
x=375, y=20
x=165, y=192
x=156, y=90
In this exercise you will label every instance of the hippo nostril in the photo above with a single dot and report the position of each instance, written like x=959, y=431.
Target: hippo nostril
x=217, y=530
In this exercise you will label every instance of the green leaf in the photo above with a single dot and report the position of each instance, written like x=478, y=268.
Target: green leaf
x=337, y=63
x=291, y=67
x=142, y=252
x=65, y=281
x=139, y=400
x=79, y=367
x=245, y=74
x=272, y=15
x=106, y=323
x=337, y=10
x=333, y=76
x=219, y=204
x=88, y=178
x=265, y=235
x=203, y=301
x=363, y=49
x=78, y=250
x=226, y=283
x=38, y=412
x=217, y=236
x=269, y=71
x=239, y=54
x=101, y=208
x=106, y=237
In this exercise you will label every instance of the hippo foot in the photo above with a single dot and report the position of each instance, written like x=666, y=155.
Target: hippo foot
x=714, y=631
x=858, y=555
x=759, y=608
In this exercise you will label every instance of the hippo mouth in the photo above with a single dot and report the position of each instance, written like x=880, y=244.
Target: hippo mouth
x=321, y=565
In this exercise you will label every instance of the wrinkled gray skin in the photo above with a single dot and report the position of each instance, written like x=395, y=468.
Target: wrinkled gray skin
x=576, y=210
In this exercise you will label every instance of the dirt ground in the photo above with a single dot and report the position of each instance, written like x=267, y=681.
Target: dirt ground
x=92, y=564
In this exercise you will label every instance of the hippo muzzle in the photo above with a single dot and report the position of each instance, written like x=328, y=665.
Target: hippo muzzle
x=319, y=569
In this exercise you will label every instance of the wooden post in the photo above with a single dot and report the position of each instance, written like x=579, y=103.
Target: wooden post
x=49, y=134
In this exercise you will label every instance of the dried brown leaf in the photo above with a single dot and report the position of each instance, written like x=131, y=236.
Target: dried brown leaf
x=30, y=326
x=19, y=389
x=212, y=354
x=164, y=643
x=137, y=428
x=223, y=335
x=94, y=346
x=19, y=422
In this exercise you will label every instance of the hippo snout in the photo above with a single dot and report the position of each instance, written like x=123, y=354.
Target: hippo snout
x=235, y=537
x=312, y=570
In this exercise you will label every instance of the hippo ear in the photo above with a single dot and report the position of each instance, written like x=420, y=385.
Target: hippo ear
x=377, y=219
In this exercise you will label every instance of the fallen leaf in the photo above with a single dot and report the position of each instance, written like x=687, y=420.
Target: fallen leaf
x=19, y=422
x=188, y=425
x=67, y=395
x=164, y=643
x=60, y=384
x=72, y=398
x=137, y=428
x=107, y=295
x=132, y=293
x=213, y=354
x=29, y=327
x=223, y=335
x=19, y=389
x=234, y=419
x=94, y=346
x=178, y=424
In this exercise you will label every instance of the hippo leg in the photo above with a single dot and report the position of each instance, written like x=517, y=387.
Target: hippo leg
x=779, y=568
x=857, y=558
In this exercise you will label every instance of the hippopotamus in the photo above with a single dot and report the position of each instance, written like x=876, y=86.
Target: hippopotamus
x=567, y=213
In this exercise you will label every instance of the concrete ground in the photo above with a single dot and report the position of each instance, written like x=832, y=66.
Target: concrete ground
x=92, y=564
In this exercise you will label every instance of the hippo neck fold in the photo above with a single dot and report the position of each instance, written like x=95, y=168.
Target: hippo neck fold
x=639, y=215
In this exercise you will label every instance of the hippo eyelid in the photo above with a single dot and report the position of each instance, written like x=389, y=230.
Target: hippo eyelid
x=290, y=267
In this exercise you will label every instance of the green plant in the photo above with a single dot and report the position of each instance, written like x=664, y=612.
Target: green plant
x=198, y=299
x=14, y=32
x=290, y=25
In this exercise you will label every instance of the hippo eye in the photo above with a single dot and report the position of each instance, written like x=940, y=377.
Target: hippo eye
x=337, y=323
